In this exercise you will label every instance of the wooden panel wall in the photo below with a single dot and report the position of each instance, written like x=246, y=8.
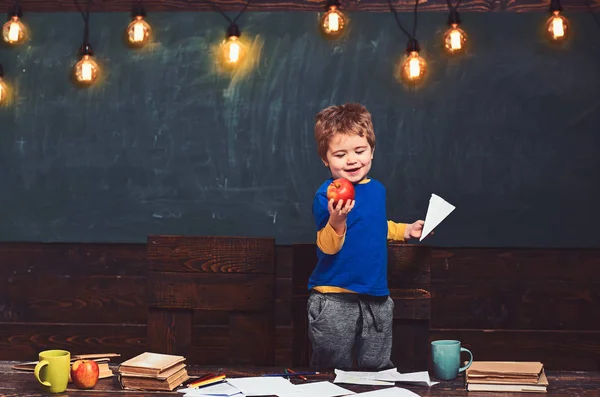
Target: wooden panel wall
x=212, y=299
x=283, y=305
x=504, y=304
x=520, y=304
x=92, y=298
x=85, y=298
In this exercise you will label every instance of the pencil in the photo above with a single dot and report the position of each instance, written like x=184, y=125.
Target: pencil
x=206, y=381
x=294, y=373
x=202, y=378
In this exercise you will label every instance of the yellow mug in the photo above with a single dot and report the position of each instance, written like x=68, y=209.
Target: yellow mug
x=53, y=370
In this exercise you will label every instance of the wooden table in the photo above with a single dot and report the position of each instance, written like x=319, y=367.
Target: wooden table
x=20, y=383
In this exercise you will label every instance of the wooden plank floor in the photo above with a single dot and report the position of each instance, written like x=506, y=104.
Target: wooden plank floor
x=566, y=383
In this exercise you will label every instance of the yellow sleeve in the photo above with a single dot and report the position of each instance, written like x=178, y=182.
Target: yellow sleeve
x=396, y=231
x=329, y=241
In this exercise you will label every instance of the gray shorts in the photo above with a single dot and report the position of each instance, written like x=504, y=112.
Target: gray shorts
x=346, y=327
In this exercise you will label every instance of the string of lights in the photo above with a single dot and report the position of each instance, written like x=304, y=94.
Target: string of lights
x=333, y=24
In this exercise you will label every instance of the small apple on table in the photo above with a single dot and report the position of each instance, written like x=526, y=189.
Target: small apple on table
x=85, y=373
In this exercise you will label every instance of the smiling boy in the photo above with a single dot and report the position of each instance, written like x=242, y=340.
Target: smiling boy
x=349, y=307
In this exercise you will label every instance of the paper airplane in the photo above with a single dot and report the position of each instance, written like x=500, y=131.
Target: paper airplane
x=437, y=211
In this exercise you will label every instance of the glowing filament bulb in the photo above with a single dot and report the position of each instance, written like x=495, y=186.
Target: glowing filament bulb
x=414, y=67
x=138, y=31
x=454, y=39
x=333, y=21
x=13, y=31
x=558, y=29
x=3, y=87
x=86, y=70
x=455, y=43
x=3, y=91
x=557, y=26
x=233, y=50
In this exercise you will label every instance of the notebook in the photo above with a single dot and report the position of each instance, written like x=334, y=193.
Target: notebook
x=149, y=363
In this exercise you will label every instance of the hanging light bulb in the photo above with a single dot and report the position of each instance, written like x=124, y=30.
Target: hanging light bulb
x=233, y=50
x=138, y=31
x=414, y=67
x=3, y=87
x=333, y=21
x=557, y=26
x=86, y=70
x=14, y=31
x=455, y=38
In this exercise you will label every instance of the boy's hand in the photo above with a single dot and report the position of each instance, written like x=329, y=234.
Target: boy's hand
x=414, y=230
x=338, y=214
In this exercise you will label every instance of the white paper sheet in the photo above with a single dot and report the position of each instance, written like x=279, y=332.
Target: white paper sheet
x=221, y=390
x=392, y=375
x=262, y=385
x=358, y=378
x=318, y=389
x=199, y=393
x=437, y=211
x=389, y=392
x=386, y=377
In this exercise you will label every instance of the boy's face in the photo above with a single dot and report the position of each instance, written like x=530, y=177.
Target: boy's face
x=349, y=156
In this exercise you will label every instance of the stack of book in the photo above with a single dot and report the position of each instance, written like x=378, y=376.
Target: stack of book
x=101, y=359
x=507, y=376
x=153, y=371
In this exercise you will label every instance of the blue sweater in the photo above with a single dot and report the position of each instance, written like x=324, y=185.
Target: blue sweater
x=361, y=264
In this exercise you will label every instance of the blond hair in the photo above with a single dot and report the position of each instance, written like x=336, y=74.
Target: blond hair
x=347, y=119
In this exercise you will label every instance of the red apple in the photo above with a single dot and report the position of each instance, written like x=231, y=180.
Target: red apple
x=340, y=189
x=85, y=373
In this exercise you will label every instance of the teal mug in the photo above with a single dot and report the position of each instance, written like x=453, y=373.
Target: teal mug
x=446, y=359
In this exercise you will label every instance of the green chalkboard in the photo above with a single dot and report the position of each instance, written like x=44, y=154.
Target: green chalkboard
x=166, y=143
